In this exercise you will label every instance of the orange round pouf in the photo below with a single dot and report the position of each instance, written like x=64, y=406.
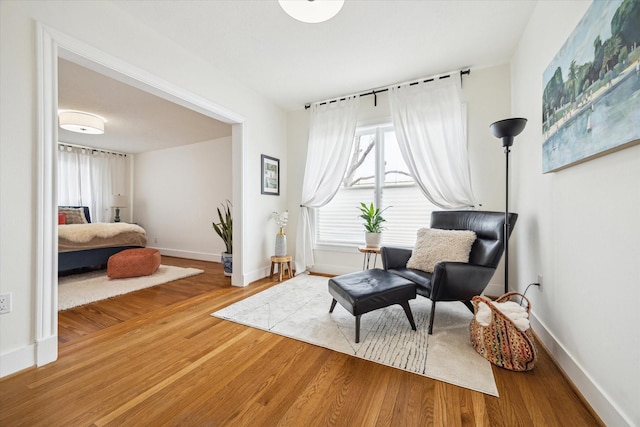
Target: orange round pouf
x=133, y=263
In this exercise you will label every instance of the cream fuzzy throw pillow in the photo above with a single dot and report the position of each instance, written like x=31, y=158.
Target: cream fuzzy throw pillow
x=434, y=245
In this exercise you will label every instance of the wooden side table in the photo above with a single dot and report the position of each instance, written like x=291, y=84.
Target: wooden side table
x=282, y=262
x=367, y=256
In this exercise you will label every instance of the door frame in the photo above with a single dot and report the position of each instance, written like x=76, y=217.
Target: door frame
x=51, y=45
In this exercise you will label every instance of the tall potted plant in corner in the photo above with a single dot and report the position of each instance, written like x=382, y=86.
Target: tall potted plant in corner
x=224, y=228
x=373, y=220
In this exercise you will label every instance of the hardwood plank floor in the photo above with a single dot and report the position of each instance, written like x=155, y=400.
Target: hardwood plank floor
x=156, y=357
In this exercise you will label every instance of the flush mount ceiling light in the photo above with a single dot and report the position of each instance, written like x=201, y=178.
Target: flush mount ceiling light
x=311, y=11
x=78, y=121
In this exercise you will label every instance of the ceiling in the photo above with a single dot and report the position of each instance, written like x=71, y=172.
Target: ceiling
x=369, y=44
x=137, y=121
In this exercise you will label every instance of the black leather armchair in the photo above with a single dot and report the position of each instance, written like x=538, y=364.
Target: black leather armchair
x=456, y=281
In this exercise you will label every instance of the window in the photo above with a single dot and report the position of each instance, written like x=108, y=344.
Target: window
x=376, y=173
x=90, y=177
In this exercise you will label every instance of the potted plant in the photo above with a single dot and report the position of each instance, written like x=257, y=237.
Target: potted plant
x=224, y=228
x=373, y=220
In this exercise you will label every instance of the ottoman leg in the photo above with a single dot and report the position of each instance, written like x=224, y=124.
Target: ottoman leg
x=333, y=305
x=358, y=328
x=407, y=310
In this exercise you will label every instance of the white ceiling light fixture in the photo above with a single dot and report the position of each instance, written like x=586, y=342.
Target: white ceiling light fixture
x=312, y=11
x=81, y=122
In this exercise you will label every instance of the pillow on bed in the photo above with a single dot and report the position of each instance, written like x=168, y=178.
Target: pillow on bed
x=73, y=215
x=62, y=219
x=434, y=245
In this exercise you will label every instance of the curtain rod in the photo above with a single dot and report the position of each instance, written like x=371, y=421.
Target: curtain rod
x=375, y=92
x=66, y=144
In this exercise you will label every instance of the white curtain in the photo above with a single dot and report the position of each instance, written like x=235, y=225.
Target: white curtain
x=332, y=128
x=431, y=132
x=88, y=177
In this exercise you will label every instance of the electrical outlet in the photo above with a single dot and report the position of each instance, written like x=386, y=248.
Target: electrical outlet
x=5, y=303
x=540, y=281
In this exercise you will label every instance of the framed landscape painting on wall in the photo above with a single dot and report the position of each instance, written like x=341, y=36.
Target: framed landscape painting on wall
x=270, y=175
x=591, y=98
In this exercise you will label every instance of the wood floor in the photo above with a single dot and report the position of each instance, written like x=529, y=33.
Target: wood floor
x=155, y=357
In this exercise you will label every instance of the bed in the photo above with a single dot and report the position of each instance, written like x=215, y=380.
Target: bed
x=83, y=244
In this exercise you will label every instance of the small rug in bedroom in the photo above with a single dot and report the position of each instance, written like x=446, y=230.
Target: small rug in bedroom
x=299, y=309
x=80, y=289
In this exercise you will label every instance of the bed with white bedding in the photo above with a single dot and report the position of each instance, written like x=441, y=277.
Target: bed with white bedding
x=89, y=244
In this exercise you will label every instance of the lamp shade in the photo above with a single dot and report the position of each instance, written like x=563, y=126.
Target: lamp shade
x=78, y=121
x=507, y=129
x=119, y=201
x=312, y=11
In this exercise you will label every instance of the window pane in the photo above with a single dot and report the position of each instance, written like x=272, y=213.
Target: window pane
x=362, y=165
x=408, y=211
x=396, y=171
x=339, y=221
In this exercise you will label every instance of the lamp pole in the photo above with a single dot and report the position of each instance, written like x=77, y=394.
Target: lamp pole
x=507, y=129
x=506, y=219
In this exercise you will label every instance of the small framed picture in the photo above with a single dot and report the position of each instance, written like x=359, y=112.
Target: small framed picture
x=270, y=175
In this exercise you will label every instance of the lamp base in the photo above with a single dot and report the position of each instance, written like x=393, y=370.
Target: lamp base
x=117, y=218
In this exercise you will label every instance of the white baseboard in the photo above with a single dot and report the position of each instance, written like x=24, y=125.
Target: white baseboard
x=17, y=360
x=200, y=256
x=47, y=350
x=607, y=410
x=37, y=354
x=255, y=275
x=332, y=269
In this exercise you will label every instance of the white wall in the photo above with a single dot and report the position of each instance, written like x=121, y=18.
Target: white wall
x=579, y=227
x=106, y=28
x=487, y=95
x=176, y=193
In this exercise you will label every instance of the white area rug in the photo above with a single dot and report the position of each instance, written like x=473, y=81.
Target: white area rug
x=299, y=309
x=80, y=289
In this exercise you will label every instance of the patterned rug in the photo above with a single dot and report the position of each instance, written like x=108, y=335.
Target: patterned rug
x=299, y=309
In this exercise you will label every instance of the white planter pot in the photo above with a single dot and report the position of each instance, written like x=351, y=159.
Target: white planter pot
x=281, y=245
x=372, y=239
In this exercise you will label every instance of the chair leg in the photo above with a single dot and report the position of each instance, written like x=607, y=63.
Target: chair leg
x=358, y=328
x=407, y=310
x=333, y=305
x=469, y=306
x=432, y=315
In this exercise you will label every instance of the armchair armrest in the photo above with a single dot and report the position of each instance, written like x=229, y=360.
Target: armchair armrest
x=393, y=258
x=459, y=281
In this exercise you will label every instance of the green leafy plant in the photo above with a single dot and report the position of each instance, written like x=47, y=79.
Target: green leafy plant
x=373, y=218
x=224, y=227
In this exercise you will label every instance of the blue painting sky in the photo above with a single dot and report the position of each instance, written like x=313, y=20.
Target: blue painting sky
x=579, y=45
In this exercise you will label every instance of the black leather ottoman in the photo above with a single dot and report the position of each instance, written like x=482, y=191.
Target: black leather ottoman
x=370, y=290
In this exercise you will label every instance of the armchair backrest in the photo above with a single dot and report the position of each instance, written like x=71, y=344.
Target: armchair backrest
x=488, y=226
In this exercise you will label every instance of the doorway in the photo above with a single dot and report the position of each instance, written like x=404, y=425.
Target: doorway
x=52, y=45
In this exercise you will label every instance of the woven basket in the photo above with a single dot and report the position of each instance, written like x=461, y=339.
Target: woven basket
x=501, y=343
